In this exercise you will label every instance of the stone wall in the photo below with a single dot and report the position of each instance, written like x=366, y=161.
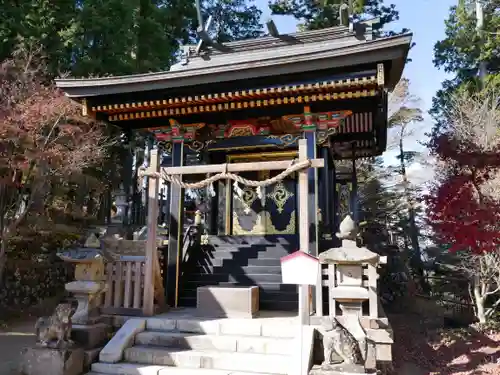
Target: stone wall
x=28, y=283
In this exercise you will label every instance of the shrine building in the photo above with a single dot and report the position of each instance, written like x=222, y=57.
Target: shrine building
x=251, y=101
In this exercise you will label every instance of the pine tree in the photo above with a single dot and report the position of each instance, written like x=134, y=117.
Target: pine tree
x=314, y=14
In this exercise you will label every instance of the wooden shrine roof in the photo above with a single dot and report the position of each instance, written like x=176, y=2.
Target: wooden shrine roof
x=301, y=53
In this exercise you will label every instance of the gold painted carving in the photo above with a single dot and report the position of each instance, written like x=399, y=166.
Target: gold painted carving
x=241, y=132
x=264, y=225
x=280, y=196
x=286, y=140
x=248, y=196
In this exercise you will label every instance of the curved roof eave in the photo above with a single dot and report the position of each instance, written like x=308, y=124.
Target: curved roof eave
x=318, y=55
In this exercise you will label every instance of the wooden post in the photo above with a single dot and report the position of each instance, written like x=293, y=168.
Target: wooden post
x=303, y=230
x=151, y=244
x=175, y=227
x=372, y=291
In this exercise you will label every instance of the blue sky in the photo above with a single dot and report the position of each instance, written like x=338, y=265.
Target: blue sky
x=425, y=18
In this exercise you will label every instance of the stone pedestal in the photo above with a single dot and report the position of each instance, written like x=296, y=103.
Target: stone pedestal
x=340, y=369
x=46, y=361
x=90, y=336
x=88, y=295
x=88, y=332
x=89, y=280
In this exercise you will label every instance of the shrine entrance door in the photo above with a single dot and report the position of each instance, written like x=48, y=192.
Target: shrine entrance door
x=266, y=210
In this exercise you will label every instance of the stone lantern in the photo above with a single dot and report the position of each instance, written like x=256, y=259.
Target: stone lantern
x=352, y=281
x=89, y=281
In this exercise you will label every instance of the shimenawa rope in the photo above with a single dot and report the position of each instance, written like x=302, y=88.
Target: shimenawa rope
x=175, y=179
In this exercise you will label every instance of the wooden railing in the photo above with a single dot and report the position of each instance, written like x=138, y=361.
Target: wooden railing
x=125, y=281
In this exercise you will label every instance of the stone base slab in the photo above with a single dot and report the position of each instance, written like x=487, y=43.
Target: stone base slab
x=337, y=370
x=231, y=302
x=90, y=336
x=90, y=356
x=45, y=361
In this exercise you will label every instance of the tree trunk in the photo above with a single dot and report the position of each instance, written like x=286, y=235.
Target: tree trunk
x=3, y=260
x=479, y=300
x=415, y=257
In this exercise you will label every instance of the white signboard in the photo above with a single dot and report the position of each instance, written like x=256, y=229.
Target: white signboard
x=299, y=268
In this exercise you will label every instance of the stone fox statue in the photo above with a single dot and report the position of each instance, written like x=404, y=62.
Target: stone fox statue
x=337, y=339
x=55, y=330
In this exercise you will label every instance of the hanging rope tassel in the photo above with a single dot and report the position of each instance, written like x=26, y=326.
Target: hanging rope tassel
x=237, y=188
x=259, y=193
x=210, y=187
x=211, y=190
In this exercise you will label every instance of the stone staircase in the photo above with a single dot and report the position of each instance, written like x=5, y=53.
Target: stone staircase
x=242, y=261
x=177, y=345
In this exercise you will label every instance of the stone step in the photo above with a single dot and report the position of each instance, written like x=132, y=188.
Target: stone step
x=269, y=240
x=264, y=295
x=187, y=299
x=238, y=259
x=238, y=269
x=241, y=252
x=226, y=343
x=237, y=327
x=268, y=287
x=267, y=363
x=235, y=278
x=140, y=369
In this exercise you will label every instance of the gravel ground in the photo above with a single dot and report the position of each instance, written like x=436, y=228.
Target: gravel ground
x=12, y=339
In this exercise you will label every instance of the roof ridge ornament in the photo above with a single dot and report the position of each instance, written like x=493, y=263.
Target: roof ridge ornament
x=202, y=32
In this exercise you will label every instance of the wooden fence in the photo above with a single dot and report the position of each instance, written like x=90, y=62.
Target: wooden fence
x=125, y=279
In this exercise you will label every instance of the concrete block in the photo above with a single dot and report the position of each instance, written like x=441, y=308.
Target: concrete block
x=317, y=370
x=384, y=352
x=90, y=336
x=44, y=361
x=124, y=338
x=90, y=356
x=380, y=335
x=231, y=302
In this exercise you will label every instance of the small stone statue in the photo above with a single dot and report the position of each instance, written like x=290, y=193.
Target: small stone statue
x=347, y=229
x=337, y=339
x=55, y=331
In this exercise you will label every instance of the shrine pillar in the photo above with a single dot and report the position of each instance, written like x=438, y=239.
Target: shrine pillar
x=175, y=227
x=309, y=129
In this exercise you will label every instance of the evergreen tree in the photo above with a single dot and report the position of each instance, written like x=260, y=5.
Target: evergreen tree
x=462, y=50
x=40, y=26
x=314, y=14
x=233, y=19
